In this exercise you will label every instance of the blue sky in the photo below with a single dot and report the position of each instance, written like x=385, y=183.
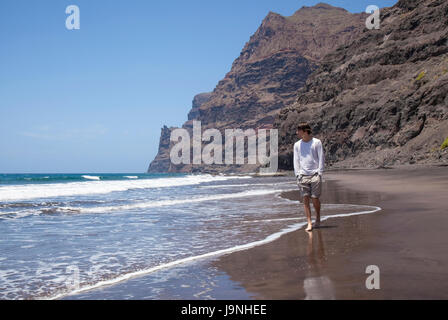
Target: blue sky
x=94, y=99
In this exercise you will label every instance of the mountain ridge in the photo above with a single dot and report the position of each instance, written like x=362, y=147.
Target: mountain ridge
x=308, y=66
x=382, y=100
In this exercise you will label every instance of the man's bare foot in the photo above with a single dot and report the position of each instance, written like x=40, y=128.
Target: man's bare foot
x=309, y=228
x=316, y=224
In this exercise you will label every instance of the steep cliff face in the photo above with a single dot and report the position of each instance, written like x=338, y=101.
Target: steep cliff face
x=374, y=97
x=381, y=100
x=272, y=66
x=312, y=31
x=198, y=100
x=160, y=163
x=275, y=62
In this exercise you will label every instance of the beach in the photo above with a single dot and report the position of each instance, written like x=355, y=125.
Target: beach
x=82, y=235
x=224, y=237
x=157, y=152
x=406, y=240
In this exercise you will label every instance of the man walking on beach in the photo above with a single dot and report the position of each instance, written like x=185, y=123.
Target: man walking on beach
x=308, y=167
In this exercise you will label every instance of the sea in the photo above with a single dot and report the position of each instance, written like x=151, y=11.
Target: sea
x=63, y=235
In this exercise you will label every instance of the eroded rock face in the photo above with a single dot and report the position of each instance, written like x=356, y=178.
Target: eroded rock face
x=161, y=162
x=198, y=100
x=275, y=62
x=382, y=100
x=273, y=65
x=374, y=97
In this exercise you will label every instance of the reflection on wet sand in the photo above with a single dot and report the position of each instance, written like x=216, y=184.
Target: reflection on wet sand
x=406, y=240
x=297, y=266
x=317, y=285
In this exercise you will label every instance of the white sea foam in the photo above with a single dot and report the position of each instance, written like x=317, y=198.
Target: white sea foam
x=323, y=218
x=162, y=203
x=18, y=214
x=219, y=186
x=272, y=220
x=131, y=177
x=246, y=246
x=91, y=177
x=47, y=190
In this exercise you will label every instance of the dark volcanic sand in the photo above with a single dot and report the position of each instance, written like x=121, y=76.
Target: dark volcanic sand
x=407, y=240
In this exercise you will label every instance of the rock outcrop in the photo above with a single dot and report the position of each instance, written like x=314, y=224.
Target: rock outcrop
x=272, y=66
x=381, y=100
x=375, y=98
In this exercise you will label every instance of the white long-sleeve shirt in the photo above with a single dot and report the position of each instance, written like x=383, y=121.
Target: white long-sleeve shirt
x=308, y=157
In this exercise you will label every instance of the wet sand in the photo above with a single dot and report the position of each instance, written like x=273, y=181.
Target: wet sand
x=407, y=240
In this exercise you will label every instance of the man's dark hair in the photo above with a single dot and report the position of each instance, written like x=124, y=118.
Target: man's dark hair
x=304, y=126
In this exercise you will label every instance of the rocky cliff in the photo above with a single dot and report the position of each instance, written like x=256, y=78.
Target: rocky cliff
x=381, y=100
x=275, y=62
x=374, y=97
x=272, y=66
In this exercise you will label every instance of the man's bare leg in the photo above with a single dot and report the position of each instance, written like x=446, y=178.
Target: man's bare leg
x=306, y=205
x=316, y=205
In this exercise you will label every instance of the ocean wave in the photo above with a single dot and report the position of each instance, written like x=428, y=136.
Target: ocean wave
x=162, y=203
x=91, y=177
x=131, y=177
x=51, y=190
x=221, y=252
x=131, y=275
x=21, y=209
x=220, y=186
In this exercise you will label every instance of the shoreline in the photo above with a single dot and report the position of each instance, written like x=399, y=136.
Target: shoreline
x=330, y=262
x=406, y=240
x=135, y=280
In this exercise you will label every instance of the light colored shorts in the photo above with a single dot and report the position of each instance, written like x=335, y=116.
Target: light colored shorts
x=310, y=185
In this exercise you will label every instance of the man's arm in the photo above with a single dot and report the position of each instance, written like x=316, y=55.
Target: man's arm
x=321, y=158
x=296, y=161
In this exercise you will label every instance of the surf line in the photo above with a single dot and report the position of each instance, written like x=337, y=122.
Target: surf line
x=246, y=246
x=323, y=218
